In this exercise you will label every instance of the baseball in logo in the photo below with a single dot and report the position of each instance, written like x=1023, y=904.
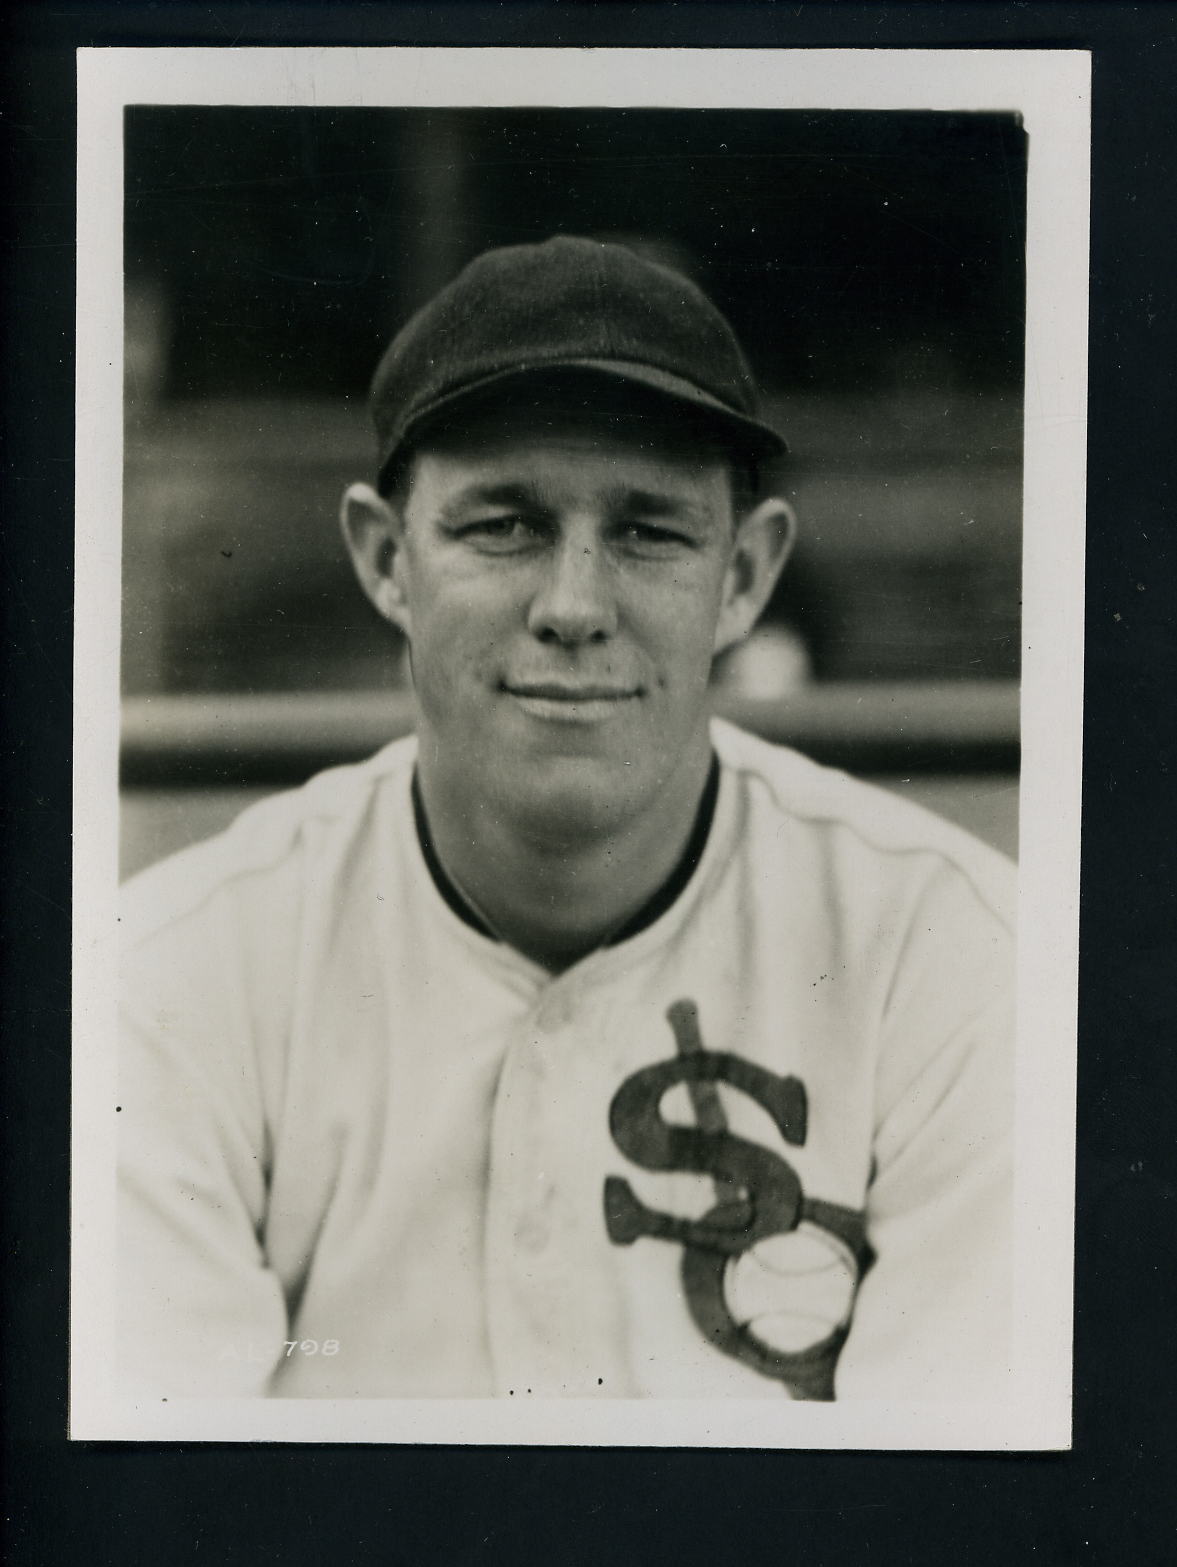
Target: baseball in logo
x=769, y=1274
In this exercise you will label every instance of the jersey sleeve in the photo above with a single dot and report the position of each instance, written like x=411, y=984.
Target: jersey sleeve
x=932, y=1318
x=200, y=1313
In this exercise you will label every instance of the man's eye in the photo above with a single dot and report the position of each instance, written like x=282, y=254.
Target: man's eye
x=655, y=536
x=509, y=528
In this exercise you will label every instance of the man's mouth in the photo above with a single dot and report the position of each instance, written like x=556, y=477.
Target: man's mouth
x=563, y=702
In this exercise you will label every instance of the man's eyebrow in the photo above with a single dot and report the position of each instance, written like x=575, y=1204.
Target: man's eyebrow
x=623, y=500
x=487, y=495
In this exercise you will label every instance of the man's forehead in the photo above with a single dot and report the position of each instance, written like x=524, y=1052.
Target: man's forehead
x=556, y=472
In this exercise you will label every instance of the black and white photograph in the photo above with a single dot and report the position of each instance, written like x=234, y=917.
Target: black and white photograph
x=579, y=655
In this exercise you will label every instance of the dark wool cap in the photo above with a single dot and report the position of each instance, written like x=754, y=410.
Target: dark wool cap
x=567, y=304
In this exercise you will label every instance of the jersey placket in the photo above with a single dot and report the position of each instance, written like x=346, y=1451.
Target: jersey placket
x=553, y=1312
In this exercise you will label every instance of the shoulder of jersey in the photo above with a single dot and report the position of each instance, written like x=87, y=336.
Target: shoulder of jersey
x=883, y=821
x=262, y=839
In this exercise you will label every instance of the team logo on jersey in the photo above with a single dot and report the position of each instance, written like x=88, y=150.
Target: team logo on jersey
x=769, y=1273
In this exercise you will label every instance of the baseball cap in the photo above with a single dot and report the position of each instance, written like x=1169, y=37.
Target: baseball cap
x=567, y=304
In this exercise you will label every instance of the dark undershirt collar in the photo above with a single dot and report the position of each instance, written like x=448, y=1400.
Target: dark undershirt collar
x=653, y=908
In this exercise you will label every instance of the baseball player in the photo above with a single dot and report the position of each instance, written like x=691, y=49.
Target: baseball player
x=579, y=1045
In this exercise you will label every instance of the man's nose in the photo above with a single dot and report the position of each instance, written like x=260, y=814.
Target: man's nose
x=575, y=599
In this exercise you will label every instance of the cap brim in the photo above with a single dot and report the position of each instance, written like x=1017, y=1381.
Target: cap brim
x=755, y=440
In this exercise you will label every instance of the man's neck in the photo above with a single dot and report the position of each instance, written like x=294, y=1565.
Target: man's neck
x=557, y=901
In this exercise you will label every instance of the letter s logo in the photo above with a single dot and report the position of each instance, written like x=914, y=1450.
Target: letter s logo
x=759, y=1193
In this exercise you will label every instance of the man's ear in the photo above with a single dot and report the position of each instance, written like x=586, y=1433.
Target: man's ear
x=372, y=530
x=764, y=538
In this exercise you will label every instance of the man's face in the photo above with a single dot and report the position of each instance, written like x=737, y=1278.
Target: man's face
x=562, y=590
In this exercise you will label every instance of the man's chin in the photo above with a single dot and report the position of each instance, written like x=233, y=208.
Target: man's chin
x=576, y=798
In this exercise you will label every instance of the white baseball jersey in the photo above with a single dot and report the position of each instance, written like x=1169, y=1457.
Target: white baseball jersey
x=761, y=1147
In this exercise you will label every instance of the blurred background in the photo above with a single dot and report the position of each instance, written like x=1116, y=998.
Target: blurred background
x=873, y=266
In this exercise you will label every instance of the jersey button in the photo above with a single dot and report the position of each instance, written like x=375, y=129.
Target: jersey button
x=553, y=1014
x=533, y=1232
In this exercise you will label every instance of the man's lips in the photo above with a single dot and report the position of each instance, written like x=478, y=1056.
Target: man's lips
x=557, y=691
x=555, y=701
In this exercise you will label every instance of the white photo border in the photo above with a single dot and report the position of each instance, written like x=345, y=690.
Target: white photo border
x=1050, y=89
